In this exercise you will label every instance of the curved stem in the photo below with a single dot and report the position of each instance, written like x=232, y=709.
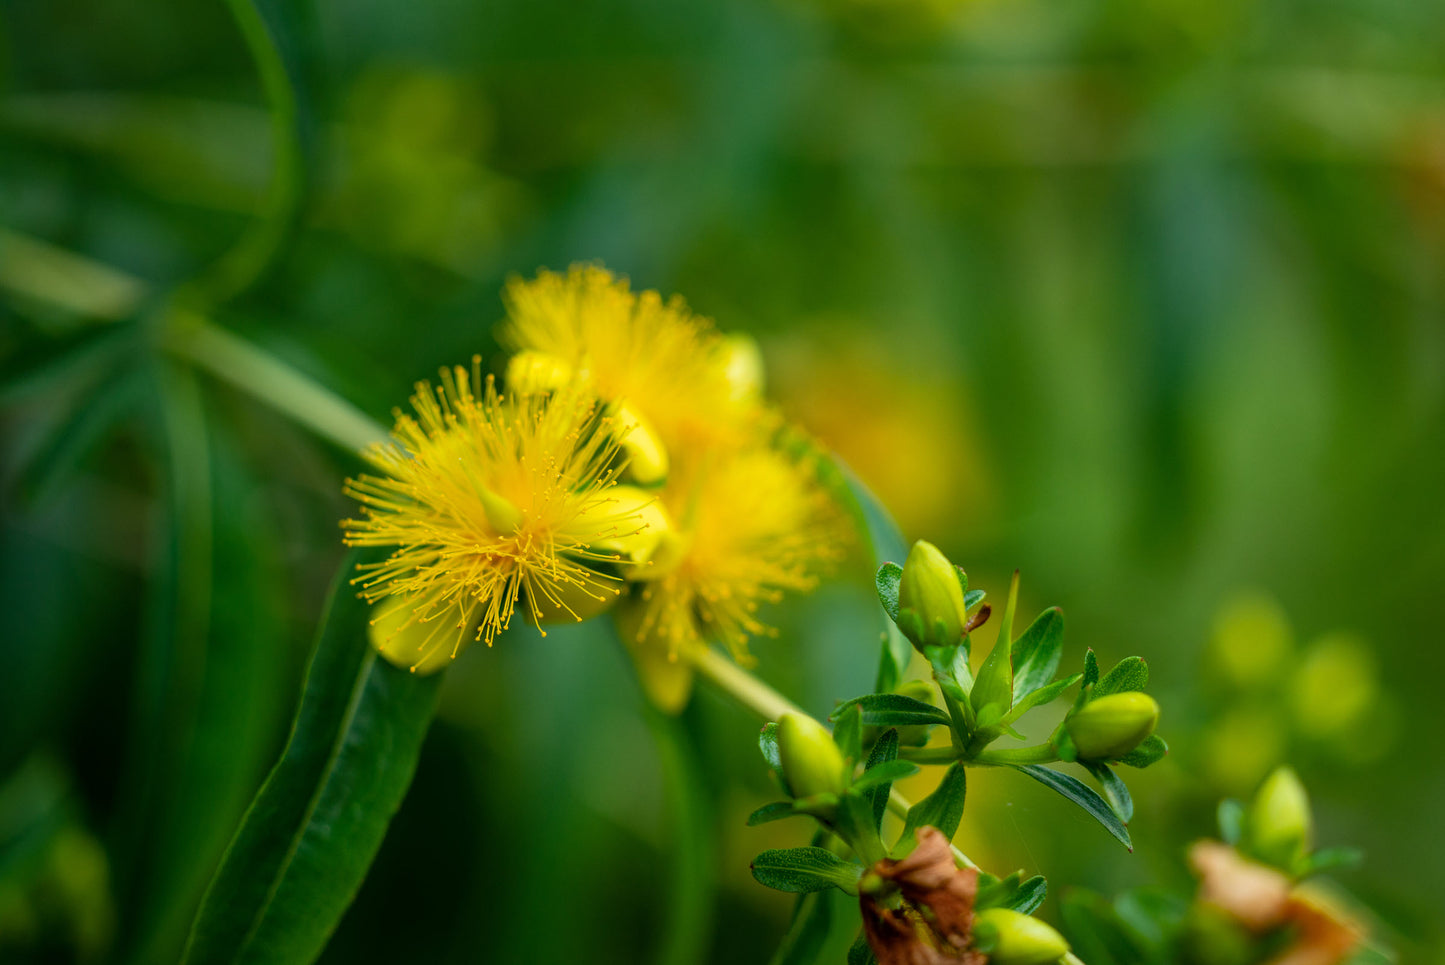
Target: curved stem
x=929, y=755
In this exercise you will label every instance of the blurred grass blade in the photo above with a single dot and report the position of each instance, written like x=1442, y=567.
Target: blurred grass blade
x=312, y=831
x=691, y=846
x=884, y=544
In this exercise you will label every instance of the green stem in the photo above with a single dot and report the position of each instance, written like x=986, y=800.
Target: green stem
x=39, y=270
x=740, y=685
x=929, y=755
x=1039, y=754
x=272, y=381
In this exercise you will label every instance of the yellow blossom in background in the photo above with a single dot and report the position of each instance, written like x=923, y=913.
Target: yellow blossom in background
x=748, y=526
x=671, y=377
x=487, y=500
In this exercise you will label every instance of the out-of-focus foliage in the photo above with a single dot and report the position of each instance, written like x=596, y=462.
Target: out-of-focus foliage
x=1146, y=298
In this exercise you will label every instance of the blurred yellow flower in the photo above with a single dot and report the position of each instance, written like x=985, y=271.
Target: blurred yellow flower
x=487, y=500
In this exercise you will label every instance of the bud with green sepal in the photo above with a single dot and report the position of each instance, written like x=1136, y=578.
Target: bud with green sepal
x=1278, y=826
x=1011, y=938
x=931, y=607
x=1108, y=728
x=810, y=761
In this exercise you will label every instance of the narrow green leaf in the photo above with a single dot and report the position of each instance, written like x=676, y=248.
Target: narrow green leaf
x=1091, y=668
x=943, y=809
x=802, y=870
x=1330, y=859
x=886, y=710
x=1150, y=752
x=973, y=598
x=314, y=827
x=1131, y=673
x=885, y=774
x=1023, y=896
x=775, y=811
x=1036, y=654
x=1082, y=795
x=1116, y=792
x=1041, y=696
x=887, y=580
x=884, y=751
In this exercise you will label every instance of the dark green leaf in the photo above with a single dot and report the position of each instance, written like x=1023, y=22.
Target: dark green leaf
x=1036, y=654
x=1151, y=751
x=1091, y=668
x=1023, y=896
x=775, y=811
x=802, y=870
x=973, y=598
x=943, y=809
x=884, y=750
x=1082, y=795
x=887, y=710
x=1131, y=673
x=886, y=580
x=885, y=773
x=861, y=953
x=1115, y=791
x=312, y=831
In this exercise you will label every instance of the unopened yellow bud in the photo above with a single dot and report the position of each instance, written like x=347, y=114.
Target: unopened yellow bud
x=646, y=455
x=408, y=642
x=929, y=589
x=1278, y=825
x=533, y=371
x=1011, y=938
x=743, y=365
x=812, y=763
x=1112, y=726
x=633, y=524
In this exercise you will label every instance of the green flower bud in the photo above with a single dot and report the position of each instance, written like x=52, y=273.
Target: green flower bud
x=1112, y=726
x=812, y=763
x=1009, y=938
x=1278, y=826
x=929, y=588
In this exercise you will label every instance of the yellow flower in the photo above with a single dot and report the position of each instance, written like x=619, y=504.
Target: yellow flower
x=748, y=526
x=487, y=501
x=671, y=379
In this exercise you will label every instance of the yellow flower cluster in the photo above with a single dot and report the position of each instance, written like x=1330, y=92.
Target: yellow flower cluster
x=631, y=459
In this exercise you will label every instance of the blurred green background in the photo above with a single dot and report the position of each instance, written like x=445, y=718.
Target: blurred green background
x=1145, y=298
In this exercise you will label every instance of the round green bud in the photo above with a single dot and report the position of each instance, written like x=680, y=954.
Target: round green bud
x=1112, y=726
x=929, y=588
x=1010, y=938
x=812, y=763
x=1278, y=825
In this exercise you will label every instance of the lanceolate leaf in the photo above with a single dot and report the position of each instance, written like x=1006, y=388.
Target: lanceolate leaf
x=1082, y=795
x=884, y=751
x=887, y=581
x=1151, y=751
x=888, y=710
x=775, y=811
x=1036, y=654
x=314, y=827
x=805, y=869
x=1040, y=697
x=885, y=774
x=1116, y=792
x=943, y=809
